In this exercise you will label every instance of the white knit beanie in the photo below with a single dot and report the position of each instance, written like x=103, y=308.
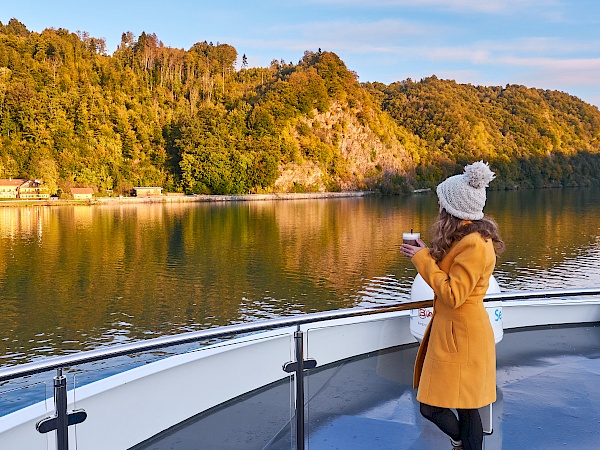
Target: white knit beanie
x=463, y=196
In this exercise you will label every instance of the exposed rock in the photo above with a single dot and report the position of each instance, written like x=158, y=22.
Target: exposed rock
x=366, y=156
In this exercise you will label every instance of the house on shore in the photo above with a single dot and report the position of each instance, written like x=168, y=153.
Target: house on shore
x=18, y=188
x=9, y=188
x=82, y=193
x=33, y=190
x=147, y=191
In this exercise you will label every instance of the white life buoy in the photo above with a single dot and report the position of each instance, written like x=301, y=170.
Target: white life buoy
x=419, y=318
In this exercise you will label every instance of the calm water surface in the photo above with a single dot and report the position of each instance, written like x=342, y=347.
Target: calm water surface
x=80, y=277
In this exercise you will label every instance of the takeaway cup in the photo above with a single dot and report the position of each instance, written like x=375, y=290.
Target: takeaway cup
x=411, y=238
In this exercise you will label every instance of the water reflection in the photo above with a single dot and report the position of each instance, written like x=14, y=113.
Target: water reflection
x=553, y=238
x=79, y=277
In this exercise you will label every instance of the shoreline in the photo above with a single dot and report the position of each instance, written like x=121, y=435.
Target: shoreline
x=194, y=198
x=206, y=198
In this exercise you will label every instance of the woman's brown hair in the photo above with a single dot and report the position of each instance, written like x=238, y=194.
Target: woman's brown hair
x=448, y=229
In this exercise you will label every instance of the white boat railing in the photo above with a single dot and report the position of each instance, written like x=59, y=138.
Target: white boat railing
x=62, y=419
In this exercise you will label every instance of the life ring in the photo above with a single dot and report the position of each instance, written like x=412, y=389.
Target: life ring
x=419, y=318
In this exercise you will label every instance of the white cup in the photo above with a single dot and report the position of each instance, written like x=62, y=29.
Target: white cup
x=411, y=238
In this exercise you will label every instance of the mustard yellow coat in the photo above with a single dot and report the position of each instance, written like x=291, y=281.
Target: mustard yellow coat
x=456, y=361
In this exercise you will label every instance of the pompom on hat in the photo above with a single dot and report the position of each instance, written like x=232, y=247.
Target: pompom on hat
x=463, y=196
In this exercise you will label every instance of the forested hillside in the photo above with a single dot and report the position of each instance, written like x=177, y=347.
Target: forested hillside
x=201, y=121
x=532, y=137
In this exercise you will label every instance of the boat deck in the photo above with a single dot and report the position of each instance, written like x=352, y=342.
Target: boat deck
x=548, y=385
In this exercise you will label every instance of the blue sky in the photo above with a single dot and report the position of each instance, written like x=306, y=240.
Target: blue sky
x=548, y=44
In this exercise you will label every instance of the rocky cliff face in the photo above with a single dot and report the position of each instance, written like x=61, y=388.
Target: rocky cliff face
x=364, y=149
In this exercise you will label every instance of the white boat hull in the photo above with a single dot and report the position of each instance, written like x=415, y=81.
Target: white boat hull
x=128, y=408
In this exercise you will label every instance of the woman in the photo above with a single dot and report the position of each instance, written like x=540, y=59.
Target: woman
x=456, y=362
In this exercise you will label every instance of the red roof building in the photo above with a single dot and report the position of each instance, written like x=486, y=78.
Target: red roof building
x=9, y=188
x=82, y=193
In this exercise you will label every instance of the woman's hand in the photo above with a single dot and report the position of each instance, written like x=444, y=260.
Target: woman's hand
x=410, y=250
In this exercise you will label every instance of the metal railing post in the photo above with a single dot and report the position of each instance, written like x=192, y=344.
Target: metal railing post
x=60, y=406
x=298, y=368
x=62, y=419
x=299, y=344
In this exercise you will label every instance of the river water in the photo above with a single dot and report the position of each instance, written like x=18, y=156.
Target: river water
x=79, y=277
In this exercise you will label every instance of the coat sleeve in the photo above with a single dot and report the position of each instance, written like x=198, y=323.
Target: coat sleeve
x=454, y=287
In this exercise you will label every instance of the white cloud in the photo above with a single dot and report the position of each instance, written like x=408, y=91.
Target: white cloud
x=349, y=31
x=342, y=36
x=543, y=45
x=479, y=6
x=555, y=63
x=554, y=73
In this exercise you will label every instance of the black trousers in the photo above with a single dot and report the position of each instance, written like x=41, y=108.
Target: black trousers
x=466, y=427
